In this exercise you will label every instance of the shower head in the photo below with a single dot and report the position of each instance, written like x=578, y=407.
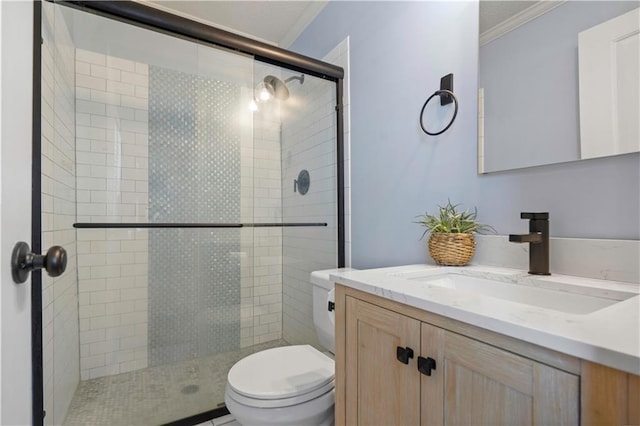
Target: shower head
x=278, y=88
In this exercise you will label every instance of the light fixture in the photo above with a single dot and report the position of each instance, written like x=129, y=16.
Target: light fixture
x=253, y=106
x=263, y=92
x=272, y=87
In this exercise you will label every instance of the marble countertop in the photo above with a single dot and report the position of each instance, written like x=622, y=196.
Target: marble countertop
x=608, y=336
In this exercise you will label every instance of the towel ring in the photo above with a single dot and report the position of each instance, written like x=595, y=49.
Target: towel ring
x=455, y=111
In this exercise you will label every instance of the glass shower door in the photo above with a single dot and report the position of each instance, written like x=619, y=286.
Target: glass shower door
x=144, y=183
x=60, y=326
x=193, y=206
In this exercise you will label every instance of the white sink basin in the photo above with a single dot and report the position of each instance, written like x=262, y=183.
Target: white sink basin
x=564, y=299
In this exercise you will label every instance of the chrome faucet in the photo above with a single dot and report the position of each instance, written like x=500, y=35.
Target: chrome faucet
x=538, y=239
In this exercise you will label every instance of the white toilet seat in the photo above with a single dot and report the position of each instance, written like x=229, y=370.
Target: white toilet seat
x=286, y=386
x=281, y=377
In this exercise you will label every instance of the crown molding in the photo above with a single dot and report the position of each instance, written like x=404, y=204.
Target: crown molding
x=519, y=19
x=310, y=13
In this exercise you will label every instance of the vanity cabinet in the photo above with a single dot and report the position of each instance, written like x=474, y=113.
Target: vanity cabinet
x=476, y=383
x=463, y=381
x=480, y=377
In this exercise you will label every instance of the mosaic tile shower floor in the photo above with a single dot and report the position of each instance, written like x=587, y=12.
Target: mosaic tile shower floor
x=156, y=395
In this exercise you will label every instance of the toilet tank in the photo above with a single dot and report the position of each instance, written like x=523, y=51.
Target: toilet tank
x=324, y=320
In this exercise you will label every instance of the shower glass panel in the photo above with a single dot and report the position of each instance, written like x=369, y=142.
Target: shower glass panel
x=294, y=130
x=308, y=140
x=161, y=164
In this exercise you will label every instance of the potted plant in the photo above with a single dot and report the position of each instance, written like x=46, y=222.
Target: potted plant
x=451, y=234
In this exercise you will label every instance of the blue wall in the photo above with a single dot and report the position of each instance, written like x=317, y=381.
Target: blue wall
x=399, y=51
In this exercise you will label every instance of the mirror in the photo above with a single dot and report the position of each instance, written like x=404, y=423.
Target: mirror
x=532, y=106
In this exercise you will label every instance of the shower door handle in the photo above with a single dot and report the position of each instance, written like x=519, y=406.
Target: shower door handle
x=23, y=261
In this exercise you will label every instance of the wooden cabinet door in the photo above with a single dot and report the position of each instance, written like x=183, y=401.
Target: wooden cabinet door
x=478, y=384
x=609, y=396
x=380, y=390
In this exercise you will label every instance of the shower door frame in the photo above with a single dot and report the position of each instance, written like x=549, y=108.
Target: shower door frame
x=157, y=20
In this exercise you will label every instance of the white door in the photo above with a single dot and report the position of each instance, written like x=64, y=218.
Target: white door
x=609, y=68
x=16, y=32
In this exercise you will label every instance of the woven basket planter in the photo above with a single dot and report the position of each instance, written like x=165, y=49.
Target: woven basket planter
x=451, y=249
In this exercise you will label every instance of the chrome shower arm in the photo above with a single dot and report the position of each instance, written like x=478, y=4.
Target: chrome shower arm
x=300, y=78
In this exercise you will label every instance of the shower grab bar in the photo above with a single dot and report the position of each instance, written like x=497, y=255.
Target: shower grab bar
x=85, y=225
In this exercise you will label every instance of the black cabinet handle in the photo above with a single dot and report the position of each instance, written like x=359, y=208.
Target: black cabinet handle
x=425, y=365
x=404, y=354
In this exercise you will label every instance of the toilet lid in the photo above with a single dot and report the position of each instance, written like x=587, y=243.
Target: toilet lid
x=281, y=372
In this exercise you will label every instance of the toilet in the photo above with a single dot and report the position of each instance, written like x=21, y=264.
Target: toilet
x=290, y=385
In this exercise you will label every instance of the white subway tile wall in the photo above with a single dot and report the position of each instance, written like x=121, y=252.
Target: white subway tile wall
x=60, y=295
x=261, y=201
x=309, y=142
x=112, y=186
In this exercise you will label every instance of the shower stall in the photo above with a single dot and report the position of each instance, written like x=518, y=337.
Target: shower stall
x=194, y=178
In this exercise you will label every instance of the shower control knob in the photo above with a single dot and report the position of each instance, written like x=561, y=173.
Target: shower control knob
x=23, y=261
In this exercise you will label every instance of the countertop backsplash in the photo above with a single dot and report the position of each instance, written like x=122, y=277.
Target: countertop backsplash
x=617, y=260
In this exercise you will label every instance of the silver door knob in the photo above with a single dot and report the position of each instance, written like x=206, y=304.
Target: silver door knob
x=23, y=261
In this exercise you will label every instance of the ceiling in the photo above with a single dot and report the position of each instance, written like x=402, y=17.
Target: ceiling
x=280, y=22
x=494, y=12
x=274, y=22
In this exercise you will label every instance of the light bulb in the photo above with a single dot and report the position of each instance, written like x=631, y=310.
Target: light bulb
x=264, y=94
x=253, y=106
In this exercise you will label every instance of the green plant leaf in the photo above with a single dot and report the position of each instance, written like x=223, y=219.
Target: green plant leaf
x=449, y=220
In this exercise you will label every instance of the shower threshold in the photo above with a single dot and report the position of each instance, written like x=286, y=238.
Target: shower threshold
x=157, y=395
